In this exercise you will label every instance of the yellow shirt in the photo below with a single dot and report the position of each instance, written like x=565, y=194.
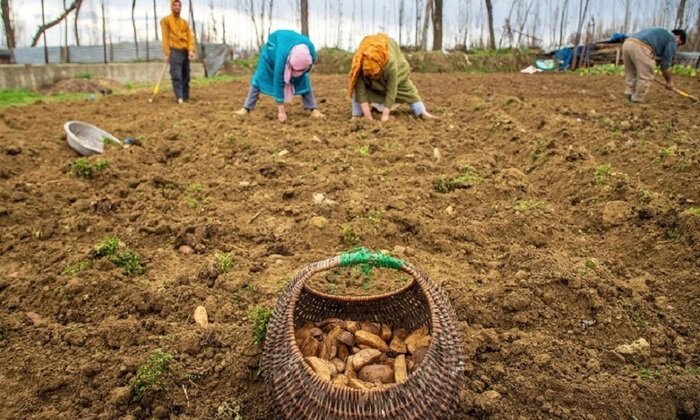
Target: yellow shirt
x=176, y=34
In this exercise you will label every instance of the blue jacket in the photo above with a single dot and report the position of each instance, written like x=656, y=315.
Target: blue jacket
x=269, y=75
x=662, y=41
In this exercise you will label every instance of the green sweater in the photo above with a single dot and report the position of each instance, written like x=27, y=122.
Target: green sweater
x=393, y=86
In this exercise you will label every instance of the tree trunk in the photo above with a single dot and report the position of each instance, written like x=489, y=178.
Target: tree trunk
x=43, y=23
x=133, y=23
x=305, y=17
x=564, y=16
x=437, y=25
x=45, y=26
x=680, y=14
x=7, y=23
x=625, y=25
x=582, y=10
x=492, y=35
x=75, y=23
x=155, y=20
x=426, y=23
x=401, y=17
x=104, y=32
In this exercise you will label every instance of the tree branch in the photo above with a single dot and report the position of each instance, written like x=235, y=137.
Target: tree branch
x=53, y=23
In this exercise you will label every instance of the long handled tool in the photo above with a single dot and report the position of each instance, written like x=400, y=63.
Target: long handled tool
x=680, y=92
x=156, y=88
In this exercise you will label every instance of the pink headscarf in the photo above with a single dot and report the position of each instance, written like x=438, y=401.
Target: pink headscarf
x=298, y=62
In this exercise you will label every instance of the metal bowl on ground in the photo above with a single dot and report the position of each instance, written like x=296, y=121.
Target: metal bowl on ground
x=87, y=139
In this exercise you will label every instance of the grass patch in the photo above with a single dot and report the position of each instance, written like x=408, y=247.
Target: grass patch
x=109, y=246
x=129, y=261
x=77, y=267
x=646, y=373
x=260, y=316
x=151, y=375
x=225, y=262
x=26, y=97
x=601, y=172
x=82, y=168
x=693, y=211
x=525, y=205
x=206, y=81
x=468, y=178
x=348, y=236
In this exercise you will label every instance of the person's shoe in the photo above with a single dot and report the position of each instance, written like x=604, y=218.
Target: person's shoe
x=634, y=100
x=427, y=116
x=628, y=98
x=317, y=114
x=180, y=101
x=242, y=112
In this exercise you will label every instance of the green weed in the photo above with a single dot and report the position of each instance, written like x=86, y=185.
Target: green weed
x=108, y=246
x=3, y=337
x=468, y=178
x=225, y=262
x=85, y=75
x=349, y=236
x=82, y=167
x=525, y=205
x=665, y=152
x=364, y=150
x=151, y=375
x=129, y=261
x=229, y=411
x=375, y=217
x=260, y=316
x=646, y=373
x=601, y=172
x=644, y=196
x=590, y=264
x=693, y=211
x=77, y=267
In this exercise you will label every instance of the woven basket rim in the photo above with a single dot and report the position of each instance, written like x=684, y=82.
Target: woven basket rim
x=360, y=298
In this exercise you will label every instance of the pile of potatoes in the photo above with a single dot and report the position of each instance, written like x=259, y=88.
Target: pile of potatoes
x=359, y=354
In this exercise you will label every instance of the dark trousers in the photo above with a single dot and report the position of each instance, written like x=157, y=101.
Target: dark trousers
x=180, y=73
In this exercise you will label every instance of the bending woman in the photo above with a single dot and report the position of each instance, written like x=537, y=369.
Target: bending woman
x=380, y=74
x=282, y=72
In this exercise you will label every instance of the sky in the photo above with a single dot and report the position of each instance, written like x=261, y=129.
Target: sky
x=464, y=19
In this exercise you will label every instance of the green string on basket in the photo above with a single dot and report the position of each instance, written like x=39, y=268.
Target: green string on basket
x=372, y=258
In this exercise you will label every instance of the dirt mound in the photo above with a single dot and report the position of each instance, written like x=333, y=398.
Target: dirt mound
x=81, y=85
x=561, y=221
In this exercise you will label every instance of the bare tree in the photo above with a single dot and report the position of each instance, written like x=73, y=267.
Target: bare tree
x=680, y=14
x=562, y=22
x=45, y=26
x=419, y=6
x=426, y=23
x=133, y=23
x=305, y=17
x=104, y=32
x=625, y=25
x=524, y=22
x=492, y=36
x=75, y=22
x=402, y=14
x=6, y=10
x=155, y=20
x=582, y=11
x=437, y=24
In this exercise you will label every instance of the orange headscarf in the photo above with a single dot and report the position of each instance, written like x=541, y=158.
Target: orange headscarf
x=370, y=58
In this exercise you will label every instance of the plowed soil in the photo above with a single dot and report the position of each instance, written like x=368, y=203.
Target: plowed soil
x=578, y=232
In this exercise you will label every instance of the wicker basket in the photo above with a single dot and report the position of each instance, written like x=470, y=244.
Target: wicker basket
x=431, y=392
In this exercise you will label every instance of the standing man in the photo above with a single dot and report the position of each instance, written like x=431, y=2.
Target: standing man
x=639, y=53
x=178, y=50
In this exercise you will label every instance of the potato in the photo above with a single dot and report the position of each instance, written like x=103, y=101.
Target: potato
x=372, y=340
x=309, y=347
x=386, y=332
x=349, y=371
x=320, y=367
x=400, y=371
x=401, y=333
x=415, y=337
x=343, y=352
x=352, y=326
x=371, y=327
x=340, y=380
x=365, y=357
x=422, y=342
x=376, y=373
x=397, y=346
x=359, y=384
x=339, y=364
x=347, y=338
x=328, y=324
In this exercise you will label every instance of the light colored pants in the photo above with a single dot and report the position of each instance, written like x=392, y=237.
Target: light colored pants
x=639, y=68
x=308, y=99
x=418, y=108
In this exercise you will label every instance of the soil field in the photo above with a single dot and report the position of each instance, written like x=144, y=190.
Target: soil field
x=563, y=223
